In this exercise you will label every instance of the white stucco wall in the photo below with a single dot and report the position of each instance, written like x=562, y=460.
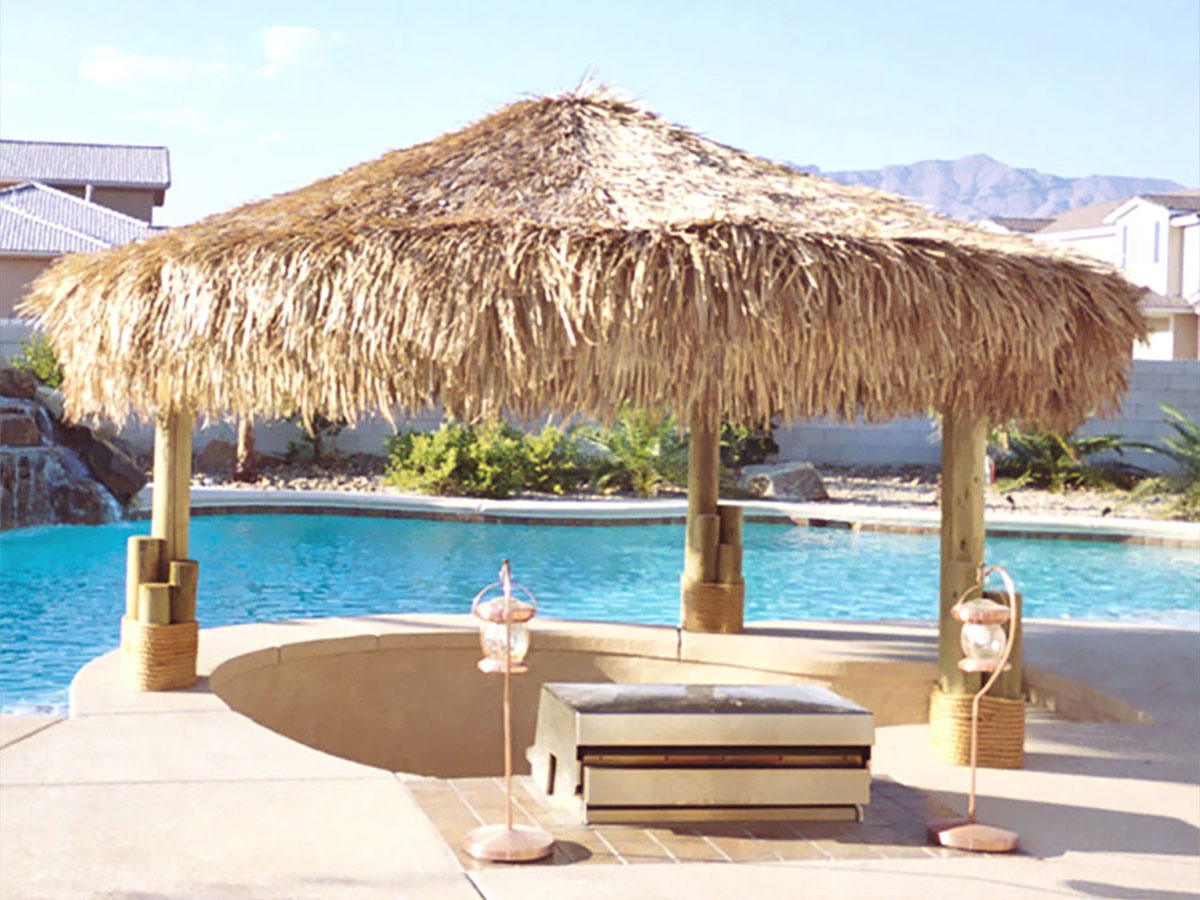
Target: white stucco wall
x=1143, y=241
x=1189, y=266
x=1100, y=242
x=1160, y=339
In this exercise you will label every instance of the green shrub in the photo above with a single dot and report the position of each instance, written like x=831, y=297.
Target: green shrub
x=552, y=461
x=39, y=359
x=745, y=445
x=1054, y=461
x=494, y=460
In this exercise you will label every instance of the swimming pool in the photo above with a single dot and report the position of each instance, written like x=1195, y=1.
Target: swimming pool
x=63, y=589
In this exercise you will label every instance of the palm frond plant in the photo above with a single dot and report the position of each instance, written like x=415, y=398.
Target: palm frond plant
x=643, y=451
x=1055, y=461
x=1183, y=447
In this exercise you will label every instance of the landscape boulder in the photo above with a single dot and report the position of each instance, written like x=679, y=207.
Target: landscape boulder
x=52, y=399
x=784, y=481
x=114, y=467
x=18, y=428
x=16, y=383
x=217, y=456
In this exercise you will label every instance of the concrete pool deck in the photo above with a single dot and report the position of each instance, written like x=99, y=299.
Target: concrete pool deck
x=176, y=794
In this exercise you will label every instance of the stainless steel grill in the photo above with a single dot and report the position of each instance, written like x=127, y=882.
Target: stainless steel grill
x=665, y=752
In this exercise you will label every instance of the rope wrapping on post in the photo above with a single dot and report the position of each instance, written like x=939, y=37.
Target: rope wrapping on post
x=1001, y=730
x=711, y=606
x=158, y=657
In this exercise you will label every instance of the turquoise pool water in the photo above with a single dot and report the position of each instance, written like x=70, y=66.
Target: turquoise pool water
x=63, y=587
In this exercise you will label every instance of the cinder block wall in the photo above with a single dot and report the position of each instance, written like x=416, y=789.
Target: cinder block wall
x=900, y=442
x=1174, y=382
x=907, y=441
x=12, y=333
x=273, y=436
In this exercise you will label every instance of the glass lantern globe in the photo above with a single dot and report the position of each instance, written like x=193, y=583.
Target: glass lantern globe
x=983, y=637
x=495, y=638
x=983, y=643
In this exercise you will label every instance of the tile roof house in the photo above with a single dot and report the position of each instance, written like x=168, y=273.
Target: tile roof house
x=58, y=198
x=129, y=179
x=37, y=220
x=1155, y=240
x=1019, y=224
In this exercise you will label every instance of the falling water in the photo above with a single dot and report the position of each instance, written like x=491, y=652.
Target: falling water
x=44, y=482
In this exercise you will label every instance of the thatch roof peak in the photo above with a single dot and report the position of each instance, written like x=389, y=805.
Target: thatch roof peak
x=596, y=160
x=575, y=251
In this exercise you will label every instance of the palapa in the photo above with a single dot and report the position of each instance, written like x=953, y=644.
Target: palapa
x=573, y=252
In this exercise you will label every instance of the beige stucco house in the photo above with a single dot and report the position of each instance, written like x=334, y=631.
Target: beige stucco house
x=58, y=198
x=1155, y=240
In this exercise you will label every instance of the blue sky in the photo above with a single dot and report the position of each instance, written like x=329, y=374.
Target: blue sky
x=253, y=98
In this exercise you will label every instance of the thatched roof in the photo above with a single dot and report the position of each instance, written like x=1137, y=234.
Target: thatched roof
x=570, y=252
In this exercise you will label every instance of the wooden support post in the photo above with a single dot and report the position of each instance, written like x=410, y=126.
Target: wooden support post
x=729, y=563
x=731, y=524
x=1010, y=685
x=700, y=555
x=999, y=738
x=708, y=601
x=729, y=550
x=964, y=442
x=184, y=575
x=172, y=485
x=703, y=526
x=159, y=635
x=143, y=564
x=154, y=604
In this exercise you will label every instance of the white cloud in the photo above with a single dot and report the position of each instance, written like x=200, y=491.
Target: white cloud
x=113, y=67
x=283, y=47
x=287, y=45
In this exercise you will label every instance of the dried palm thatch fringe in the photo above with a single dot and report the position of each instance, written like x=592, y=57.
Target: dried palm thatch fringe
x=568, y=253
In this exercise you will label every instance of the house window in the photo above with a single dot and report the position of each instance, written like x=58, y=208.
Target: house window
x=1157, y=227
x=1124, y=245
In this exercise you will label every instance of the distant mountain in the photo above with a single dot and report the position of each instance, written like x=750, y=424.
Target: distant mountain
x=978, y=186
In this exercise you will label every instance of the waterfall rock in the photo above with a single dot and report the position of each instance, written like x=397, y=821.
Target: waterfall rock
x=16, y=383
x=44, y=479
x=115, y=468
x=50, y=486
x=52, y=399
x=18, y=428
x=784, y=481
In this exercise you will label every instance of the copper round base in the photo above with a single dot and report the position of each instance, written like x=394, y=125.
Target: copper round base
x=973, y=836
x=517, y=844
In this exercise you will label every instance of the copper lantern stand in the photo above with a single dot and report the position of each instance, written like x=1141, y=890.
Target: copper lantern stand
x=505, y=641
x=987, y=646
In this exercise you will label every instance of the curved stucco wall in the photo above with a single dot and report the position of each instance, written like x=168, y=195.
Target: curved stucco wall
x=420, y=705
